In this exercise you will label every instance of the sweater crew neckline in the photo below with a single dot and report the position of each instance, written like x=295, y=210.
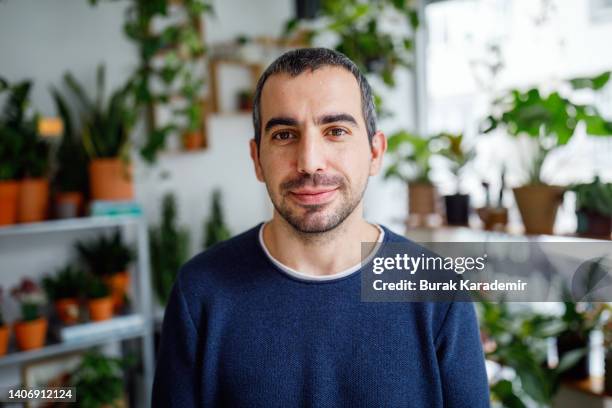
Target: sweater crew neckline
x=320, y=278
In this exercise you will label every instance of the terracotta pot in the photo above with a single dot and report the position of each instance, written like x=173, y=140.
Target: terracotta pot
x=422, y=198
x=538, y=206
x=119, y=284
x=493, y=218
x=68, y=204
x=31, y=335
x=100, y=309
x=4, y=339
x=33, y=200
x=193, y=140
x=9, y=194
x=67, y=310
x=110, y=179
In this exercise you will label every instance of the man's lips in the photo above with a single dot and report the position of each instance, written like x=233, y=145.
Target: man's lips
x=313, y=196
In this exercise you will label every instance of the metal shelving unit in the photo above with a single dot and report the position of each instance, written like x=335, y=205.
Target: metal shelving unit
x=143, y=305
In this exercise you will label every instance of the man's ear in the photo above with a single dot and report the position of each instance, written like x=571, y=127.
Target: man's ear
x=378, y=148
x=255, y=158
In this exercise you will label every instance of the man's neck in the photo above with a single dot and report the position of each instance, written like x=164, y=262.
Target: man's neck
x=319, y=254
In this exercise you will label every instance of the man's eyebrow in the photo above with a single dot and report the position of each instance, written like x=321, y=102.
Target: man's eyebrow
x=280, y=121
x=337, y=117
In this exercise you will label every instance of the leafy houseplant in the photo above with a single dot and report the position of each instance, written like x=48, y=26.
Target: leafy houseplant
x=578, y=327
x=517, y=339
x=215, y=229
x=457, y=205
x=31, y=331
x=109, y=258
x=169, y=245
x=65, y=288
x=24, y=156
x=179, y=46
x=410, y=162
x=99, y=381
x=106, y=137
x=100, y=302
x=594, y=208
x=549, y=121
x=4, y=329
x=71, y=163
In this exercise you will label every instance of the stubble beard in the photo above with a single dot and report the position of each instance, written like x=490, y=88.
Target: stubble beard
x=312, y=220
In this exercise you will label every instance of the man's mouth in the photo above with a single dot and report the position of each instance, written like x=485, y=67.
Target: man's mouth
x=311, y=196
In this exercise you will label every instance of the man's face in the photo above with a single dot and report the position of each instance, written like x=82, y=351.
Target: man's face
x=314, y=154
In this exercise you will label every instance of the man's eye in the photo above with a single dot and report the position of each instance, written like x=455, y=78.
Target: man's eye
x=338, y=132
x=282, y=136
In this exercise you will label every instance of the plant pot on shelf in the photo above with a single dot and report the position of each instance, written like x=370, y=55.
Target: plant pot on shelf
x=493, y=218
x=4, y=339
x=538, y=206
x=110, y=179
x=68, y=204
x=32, y=334
x=422, y=199
x=100, y=309
x=569, y=341
x=457, y=209
x=33, y=200
x=9, y=194
x=593, y=224
x=119, y=284
x=67, y=310
x=193, y=140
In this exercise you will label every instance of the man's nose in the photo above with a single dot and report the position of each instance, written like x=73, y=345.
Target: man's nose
x=311, y=152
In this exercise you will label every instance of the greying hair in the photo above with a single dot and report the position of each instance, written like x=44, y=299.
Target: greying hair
x=295, y=62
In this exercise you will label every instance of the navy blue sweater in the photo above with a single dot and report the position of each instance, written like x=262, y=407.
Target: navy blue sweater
x=240, y=332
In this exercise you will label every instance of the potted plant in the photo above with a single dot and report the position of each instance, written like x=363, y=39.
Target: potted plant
x=70, y=179
x=245, y=100
x=548, y=121
x=215, y=229
x=494, y=217
x=99, y=298
x=193, y=112
x=518, y=339
x=10, y=150
x=31, y=330
x=99, y=381
x=169, y=244
x=109, y=258
x=106, y=129
x=457, y=205
x=64, y=289
x=580, y=320
x=29, y=154
x=4, y=329
x=594, y=208
x=410, y=162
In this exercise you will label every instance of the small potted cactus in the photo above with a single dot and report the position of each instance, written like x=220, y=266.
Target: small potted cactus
x=99, y=299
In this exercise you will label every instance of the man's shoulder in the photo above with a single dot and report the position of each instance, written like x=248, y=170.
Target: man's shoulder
x=220, y=258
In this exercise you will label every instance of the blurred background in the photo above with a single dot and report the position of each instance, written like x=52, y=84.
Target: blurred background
x=124, y=129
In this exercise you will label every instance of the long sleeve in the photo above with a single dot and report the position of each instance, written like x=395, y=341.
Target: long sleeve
x=176, y=377
x=461, y=359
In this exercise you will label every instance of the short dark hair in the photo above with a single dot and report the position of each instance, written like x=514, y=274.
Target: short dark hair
x=295, y=62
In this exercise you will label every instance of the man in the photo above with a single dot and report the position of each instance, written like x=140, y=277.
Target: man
x=273, y=317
